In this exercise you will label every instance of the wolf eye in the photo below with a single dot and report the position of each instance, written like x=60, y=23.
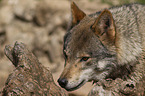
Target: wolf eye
x=84, y=59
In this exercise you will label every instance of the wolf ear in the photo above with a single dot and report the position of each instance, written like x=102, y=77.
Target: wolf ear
x=104, y=26
x=77, y=14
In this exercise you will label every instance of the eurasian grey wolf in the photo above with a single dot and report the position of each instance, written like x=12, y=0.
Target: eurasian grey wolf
x=102, y=45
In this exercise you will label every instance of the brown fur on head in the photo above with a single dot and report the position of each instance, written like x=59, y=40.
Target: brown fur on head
x=84, y=52
x=77, y=14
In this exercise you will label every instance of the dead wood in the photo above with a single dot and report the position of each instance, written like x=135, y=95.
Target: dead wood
x=29, y=77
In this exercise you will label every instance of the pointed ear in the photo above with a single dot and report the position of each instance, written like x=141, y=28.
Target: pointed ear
x=104, y=26
x=77, y=14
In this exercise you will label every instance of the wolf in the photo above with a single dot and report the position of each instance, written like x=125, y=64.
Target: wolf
x=106, y=44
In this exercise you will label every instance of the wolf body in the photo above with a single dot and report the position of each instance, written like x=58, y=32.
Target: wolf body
x=106, y=44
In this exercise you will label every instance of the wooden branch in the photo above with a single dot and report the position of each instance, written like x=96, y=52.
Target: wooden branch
x=119, y=87
x=29, y=77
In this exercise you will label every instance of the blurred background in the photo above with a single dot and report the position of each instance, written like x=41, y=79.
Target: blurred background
x=41, y=25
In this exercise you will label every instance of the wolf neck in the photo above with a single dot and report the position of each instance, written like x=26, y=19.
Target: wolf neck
x=123, y=71
x=128, y=41
x=133, y=70
x=128, y=48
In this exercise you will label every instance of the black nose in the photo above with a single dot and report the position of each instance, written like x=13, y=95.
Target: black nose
x=62, y=82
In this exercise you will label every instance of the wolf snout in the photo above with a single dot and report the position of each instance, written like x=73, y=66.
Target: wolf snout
x=62, y=82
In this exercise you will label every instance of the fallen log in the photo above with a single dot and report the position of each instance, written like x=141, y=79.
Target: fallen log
x=29, y=77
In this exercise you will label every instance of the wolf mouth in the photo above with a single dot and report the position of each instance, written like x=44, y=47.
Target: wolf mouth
x=78, y=86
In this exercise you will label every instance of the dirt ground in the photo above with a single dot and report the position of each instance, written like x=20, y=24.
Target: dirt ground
x=41, y=25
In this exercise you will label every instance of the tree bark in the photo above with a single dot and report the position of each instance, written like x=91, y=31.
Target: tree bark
x=29, y=77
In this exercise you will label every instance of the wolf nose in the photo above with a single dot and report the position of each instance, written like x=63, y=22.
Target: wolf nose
x=62, y=82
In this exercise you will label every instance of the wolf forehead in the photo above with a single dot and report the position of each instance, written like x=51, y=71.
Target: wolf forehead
x=82, y=39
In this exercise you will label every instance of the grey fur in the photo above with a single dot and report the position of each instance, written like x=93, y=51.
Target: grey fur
x=118, y=60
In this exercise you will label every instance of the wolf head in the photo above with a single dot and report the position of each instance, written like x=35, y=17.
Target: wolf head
x=89, y=49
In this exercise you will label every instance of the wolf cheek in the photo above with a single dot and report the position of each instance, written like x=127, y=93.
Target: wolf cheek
x=76, y=75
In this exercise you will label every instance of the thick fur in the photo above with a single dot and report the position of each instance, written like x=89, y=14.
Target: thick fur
x=106, y=44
